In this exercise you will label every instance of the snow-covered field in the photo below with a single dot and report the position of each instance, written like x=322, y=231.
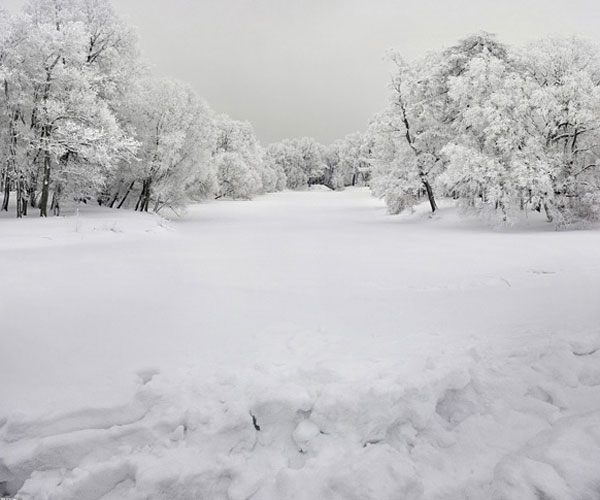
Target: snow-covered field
x=300, y=346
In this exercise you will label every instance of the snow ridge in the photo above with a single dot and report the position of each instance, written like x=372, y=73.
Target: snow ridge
x=524, y=425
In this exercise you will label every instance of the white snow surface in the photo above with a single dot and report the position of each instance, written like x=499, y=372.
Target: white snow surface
x=300, y=346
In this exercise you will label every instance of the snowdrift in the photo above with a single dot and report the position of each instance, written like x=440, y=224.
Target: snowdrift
x=526, y=425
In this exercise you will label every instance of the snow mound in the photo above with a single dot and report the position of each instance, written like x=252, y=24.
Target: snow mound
x=524, y=425
x=84, y=224
x=559, y=463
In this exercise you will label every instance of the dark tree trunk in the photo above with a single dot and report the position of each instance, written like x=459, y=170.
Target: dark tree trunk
x=114, y=199
x=25, y=201
x=20, y=199
x=146, y=202
x=6, y=193
x=55, y=205
x=32, y=189
x=144, y=199
x=141, y=197
x=126, y=194
x=32, y=198
x=45, y=185
x=430, y=195
x=46, y=132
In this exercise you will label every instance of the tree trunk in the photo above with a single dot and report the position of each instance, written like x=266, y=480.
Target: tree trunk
x=429, y=190
x=46, y=131
x=6, y=193
x=45, y=185
x=141, y=197
x=32, y=188
x=20, y=199
x=144, y=199
x=126, y=194
x=549, y=216
x=114, y=200
x=25, y=201
x=55, y=205
x=116, y=195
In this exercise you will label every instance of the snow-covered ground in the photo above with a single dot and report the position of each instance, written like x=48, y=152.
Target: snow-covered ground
x=299, y=346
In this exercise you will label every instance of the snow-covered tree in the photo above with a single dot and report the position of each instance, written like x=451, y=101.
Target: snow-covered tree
x=272, y=174
x=333, y=174
x=415, y=120
x=238, y=158
x=62, y=137
x=172, y=127
x=565, y=107
x=288, y=158
x=355, y=151
x=300, y=159
x=13, y=130
x=489, y=139
x=527, y=132
x=74, y=136
x=236, y=177
x=420, y=121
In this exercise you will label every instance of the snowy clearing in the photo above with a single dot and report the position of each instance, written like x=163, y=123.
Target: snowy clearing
x=304, y=345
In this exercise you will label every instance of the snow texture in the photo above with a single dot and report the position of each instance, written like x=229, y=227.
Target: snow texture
x=301, y=346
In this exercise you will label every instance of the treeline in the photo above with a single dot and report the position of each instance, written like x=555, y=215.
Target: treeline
x=83, y=120
x=502, y=131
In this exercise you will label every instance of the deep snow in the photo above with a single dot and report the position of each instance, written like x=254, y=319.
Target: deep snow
x=302, y=346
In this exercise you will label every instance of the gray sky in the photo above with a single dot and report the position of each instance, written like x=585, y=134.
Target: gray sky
x=316, y=67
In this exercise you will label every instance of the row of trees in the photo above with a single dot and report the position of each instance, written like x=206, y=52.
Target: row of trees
x=306, y=162
x=502, y=131
x=83, y=120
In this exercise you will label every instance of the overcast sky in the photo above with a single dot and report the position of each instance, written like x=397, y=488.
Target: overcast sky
x=316, y=67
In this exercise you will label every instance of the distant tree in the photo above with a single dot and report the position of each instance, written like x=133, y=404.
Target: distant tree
x=239, y=159
x=355, y=151
x=272, y=174
x=286, y=156
x=236, y=178
x=301, y=160
x=333, y=172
